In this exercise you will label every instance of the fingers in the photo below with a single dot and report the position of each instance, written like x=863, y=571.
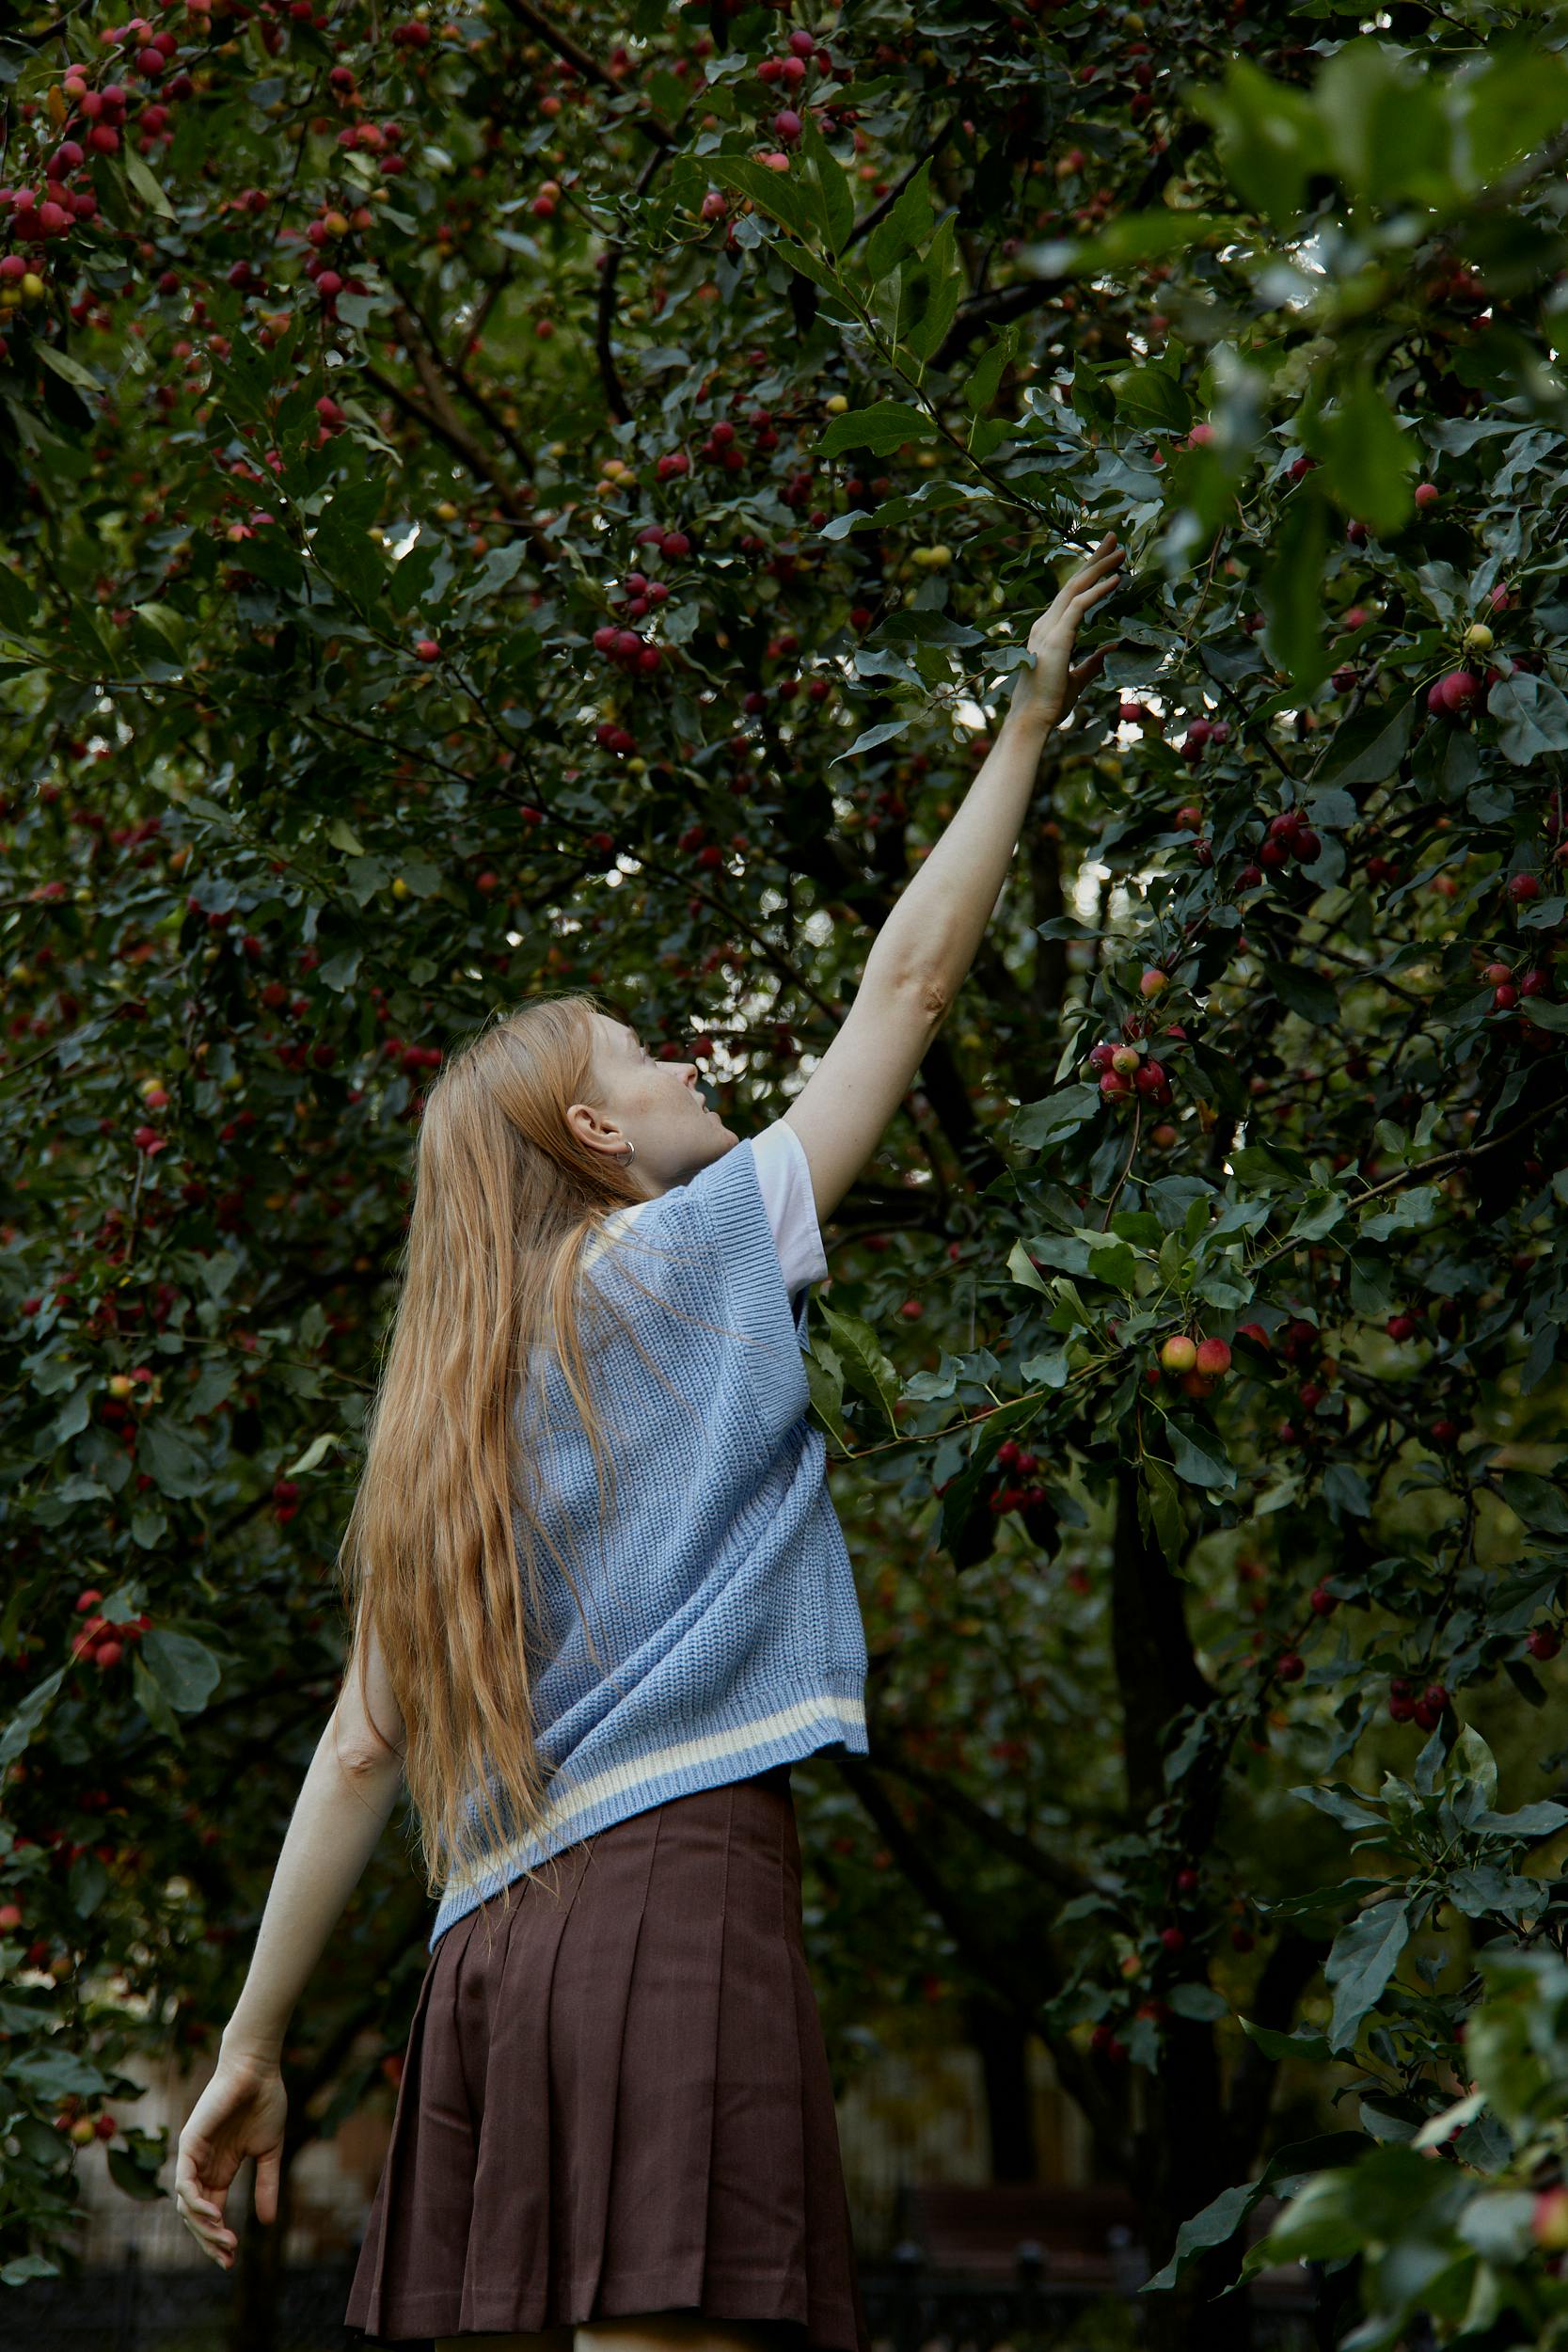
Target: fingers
x=201, y=2216
x=1098, y=576
x=210, y=2232
x=1094, y=579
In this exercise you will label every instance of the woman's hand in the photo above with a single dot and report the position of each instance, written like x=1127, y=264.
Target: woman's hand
x=240, y=2114
x=1047, y=693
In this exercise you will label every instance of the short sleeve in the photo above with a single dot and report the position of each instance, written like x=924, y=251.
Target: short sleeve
x=784, y=1177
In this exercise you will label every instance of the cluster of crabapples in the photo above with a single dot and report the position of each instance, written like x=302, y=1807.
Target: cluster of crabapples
x=624, y=647
x=787, y=74
x=1197, y=1363
x=1459, y=693
x=1127, y=1072
x=79, y=2127
x=101, y=1640
x=1004, y=1497
x=1511, y=987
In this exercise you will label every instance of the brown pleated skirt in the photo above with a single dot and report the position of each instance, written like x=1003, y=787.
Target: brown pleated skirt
x=620, y=2101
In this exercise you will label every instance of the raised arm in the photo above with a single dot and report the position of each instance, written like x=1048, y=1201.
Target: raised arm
x=921, y=955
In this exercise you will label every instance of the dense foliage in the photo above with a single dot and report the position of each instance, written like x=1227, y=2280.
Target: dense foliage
x=524, y=500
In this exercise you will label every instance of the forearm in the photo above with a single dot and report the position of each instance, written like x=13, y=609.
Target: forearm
x=338, y=1820
x=941, y=916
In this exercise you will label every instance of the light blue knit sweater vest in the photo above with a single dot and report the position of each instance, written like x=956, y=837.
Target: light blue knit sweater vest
x=725, y=1618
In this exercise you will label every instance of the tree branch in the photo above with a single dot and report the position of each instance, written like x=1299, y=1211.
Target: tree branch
x=884, y=205
x=589, y=68
x=1062, y=1878
x=447, y=428
x=1157, y=1672
x=430, y=365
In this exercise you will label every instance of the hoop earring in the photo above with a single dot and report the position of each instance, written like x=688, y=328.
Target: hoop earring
x=631, y=1152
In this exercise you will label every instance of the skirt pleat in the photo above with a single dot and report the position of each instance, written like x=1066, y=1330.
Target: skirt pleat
x=618, y=2101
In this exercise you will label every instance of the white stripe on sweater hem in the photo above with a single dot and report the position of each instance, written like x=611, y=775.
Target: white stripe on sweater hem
x=621, y=1778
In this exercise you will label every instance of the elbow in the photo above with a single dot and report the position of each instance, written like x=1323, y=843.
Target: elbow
x=932, y=992
x=365, y=1761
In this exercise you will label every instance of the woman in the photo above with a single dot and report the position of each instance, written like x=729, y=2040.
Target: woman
x=615, y=2116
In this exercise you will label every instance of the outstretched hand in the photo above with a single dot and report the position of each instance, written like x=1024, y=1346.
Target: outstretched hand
x=241, y=2113
x=1049, y=690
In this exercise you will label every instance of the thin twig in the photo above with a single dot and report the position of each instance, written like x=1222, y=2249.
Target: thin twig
x=591, y=70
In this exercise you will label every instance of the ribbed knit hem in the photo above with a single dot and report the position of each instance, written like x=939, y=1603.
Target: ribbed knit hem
x=831, y=1714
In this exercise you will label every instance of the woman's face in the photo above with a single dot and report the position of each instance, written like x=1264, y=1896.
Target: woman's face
x=654, y=1104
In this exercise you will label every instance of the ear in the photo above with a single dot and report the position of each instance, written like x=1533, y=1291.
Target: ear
x=592, y=1128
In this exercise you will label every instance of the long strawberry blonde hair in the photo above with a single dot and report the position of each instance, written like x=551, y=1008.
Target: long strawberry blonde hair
x=448, y=1506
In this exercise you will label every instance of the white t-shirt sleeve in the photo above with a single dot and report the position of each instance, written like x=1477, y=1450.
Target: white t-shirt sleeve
x=784, y=1177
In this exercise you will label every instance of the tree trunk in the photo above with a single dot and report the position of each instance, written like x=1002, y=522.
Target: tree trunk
x=1003, y=2041
x=257, y=2273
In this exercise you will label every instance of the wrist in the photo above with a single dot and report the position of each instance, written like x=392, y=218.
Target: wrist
x=1025, y=719
x=246, y=2043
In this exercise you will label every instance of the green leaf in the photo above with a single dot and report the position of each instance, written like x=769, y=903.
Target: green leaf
x=1270, y=138
x=1346, y=1492
x=1198, y=1455
x=810, y=265
x=1152, y=396
x=1159, y=1508
x=887, y=424
x=25, y=2266
x=1535, y=1500
x=1412, y=1212
x=184, y=1669
x=88, y=1885
x=70, y=370
x=866, y=1367
x=316, y=1452
x=1021, y=1267
x=56, y=2073
x=1344, y=1805
x=986, y=378
x=1276, y=2046
x=133, y=2179
x=1322, y=2223
x=18, y=609
x=1506, y=110
x=936, y=289
x=1043, y=1126
x=341, y=971
x=1532, y=715
x=1303, y=991
x=1291, y=593
x=1473, y=1762
x=772, y=192
x=905, y=226
x=835, y=202
x=150, y=1699
x=1200, y=2002
x=146, y=183
x=888, y=732
x=173, y=1458
x=825, y=1380
x=22, y=1724
x=1373, y=755
x=1128, y=241
x=1384, y=122
x=1368, y=459
x=1215, y=2225
x=1364, y=1957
